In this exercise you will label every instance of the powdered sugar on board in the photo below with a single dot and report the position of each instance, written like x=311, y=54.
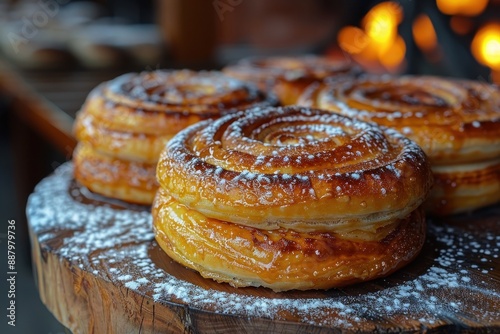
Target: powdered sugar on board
x=455, y=279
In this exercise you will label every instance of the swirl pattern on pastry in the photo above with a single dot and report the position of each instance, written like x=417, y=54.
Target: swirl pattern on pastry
x=297, y=190
x=456, y=122
x=132, y=117
x=288, y=77
x=287, y=167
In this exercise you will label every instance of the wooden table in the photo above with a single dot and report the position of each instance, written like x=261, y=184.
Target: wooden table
x=99, y=270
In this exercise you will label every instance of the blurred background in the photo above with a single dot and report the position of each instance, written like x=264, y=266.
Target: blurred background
x=53, y=52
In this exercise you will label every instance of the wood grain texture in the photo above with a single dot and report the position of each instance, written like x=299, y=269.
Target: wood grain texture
x=99, y=270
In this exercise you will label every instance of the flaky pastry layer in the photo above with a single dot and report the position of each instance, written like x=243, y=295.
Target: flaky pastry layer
x=462, y=188
x=130, y=146
x=129, y=181
x=132, y=116
x=125, y=123
x=281, y=259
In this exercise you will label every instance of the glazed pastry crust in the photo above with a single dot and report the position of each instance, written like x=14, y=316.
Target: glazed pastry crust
x=130, y=181
x=134, y=115
x=281, y=259
x=303, y=169
x=126, y=145
x=456, y=122
x=291, y=198
x=464, y=187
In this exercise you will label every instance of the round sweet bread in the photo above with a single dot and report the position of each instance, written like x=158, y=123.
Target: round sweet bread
x=241, y=197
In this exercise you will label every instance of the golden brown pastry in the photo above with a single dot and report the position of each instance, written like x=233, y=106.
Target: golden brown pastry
x=456, y=122
x=288, y=77
x=291, y=198
x=117, y=178
x=125, y=123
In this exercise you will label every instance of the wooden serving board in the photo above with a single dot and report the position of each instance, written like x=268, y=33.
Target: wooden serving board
x=99, y=270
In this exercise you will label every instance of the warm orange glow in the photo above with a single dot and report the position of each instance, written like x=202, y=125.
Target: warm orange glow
x=352, y=39
x=381, y=24
x=372, y=52
x=461, y=25
x=486, y=45
x=424, y=33
x=378, y=43
x=395, y=55
x=462, y=7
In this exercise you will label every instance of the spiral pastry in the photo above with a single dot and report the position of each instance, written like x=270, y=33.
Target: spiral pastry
x=291, y=198
x=288, y=77
x=456, y=122
x=125, y=123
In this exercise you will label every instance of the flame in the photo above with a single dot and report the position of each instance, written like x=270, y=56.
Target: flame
x=378, y=42
x=486, y=45
x=424, y=33
x=462, y=7
x=352, y=39
x=395, y=55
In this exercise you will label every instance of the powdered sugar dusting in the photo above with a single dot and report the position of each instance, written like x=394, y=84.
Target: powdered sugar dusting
x=448, y=286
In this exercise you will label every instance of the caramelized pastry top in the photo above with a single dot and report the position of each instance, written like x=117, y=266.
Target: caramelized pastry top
x=281, y=259
x=299, y=168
